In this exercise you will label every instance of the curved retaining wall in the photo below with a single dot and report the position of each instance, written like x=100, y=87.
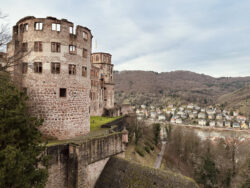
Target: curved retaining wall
x=120, y=173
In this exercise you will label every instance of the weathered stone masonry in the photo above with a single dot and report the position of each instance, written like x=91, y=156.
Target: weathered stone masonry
x=79, y=165
x=53, y=66
x=103, y=98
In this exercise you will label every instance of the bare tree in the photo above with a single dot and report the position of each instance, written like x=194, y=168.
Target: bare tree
x=10, y=63
x=4, y=34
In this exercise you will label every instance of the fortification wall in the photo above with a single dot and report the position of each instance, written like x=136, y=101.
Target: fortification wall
x=80, y=164
x=122, y=173
x=61, y=98
x=94, y=171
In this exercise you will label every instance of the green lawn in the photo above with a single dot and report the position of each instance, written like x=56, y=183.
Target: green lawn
x=97, y=121
x=95, y=130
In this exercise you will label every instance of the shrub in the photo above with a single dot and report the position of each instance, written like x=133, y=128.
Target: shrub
x=150, y=145
x=140, y=151
x=147, y=149
x=156, y=129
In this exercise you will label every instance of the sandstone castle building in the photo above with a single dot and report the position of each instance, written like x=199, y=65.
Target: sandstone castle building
x=64, y=81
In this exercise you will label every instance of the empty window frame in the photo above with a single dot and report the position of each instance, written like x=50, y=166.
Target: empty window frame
x=84, y=71
x=84, y=53
x=16, y=44
x=56, y=27
x=24, y=47
x=72, y=49
x=24, y=27
x=38, y=46
x=72, y=30
x=38, y=26
x=15, y=29
x=55, y=47
x=97, y=57
x=63, y=92
x=38, y=67
x=24, y=68
x=72, y=69
x=85, y=35
x=55, y=68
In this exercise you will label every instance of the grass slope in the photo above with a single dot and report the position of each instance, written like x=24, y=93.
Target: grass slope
x=97, y=121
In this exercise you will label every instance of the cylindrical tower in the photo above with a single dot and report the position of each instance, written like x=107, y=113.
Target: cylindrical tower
x=54, y=70
x=103, y=61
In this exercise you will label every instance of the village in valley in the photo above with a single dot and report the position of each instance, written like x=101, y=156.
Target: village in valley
x=193, y=115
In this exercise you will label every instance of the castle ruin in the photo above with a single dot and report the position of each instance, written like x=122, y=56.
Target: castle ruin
x=64, y=81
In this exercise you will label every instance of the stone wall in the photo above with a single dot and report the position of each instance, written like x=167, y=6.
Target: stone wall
x=94, y=170
x=96, y=93
x=64, y=116
x=103, y=62
x=58, y=170
x=120, y=173
x=79, y=164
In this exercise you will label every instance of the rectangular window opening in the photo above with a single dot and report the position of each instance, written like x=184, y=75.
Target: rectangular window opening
x=84, y=53
x=72, y=69
x=72, y=49
x=56, y=27
x=55, y=68
x=24, y=68
x=24, y=47
x=63, y=92
x=72, y=30
x=85, y=35
x=38, y=67
x=38, y=46
x=38, y=26
x=84, y=71
x=55, y=47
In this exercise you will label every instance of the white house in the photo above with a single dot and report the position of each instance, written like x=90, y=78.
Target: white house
x=212, y=123
x=241, y=118
x=173, y=120
x=201, y=115
x=161, y=118
x=203, y=110
x=179, y=121
x=190, y=106
x=228, y=124
x=139, y=118
x=210, y=116
x=219, y=124
x=235, y=113
x=184, y=116
x=202, y=122
x=180, y=113
x=153, y=115
x=236, y=125
x=219, y=116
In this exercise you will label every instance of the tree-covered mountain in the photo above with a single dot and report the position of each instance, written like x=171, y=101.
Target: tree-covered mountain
x=147, y=87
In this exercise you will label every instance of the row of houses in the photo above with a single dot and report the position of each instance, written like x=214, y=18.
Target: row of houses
x=194, y=115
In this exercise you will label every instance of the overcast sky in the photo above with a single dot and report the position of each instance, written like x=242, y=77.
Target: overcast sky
x=204, y=36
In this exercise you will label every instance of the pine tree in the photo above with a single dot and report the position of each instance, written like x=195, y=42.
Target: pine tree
x=21, y=146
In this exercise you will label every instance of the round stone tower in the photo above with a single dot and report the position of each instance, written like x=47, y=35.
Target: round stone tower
x=54, y=69
x=103, y=61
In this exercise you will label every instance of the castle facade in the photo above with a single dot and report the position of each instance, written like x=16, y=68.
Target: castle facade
x=64, y=81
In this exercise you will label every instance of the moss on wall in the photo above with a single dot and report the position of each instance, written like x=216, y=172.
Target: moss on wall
x=119, y=173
